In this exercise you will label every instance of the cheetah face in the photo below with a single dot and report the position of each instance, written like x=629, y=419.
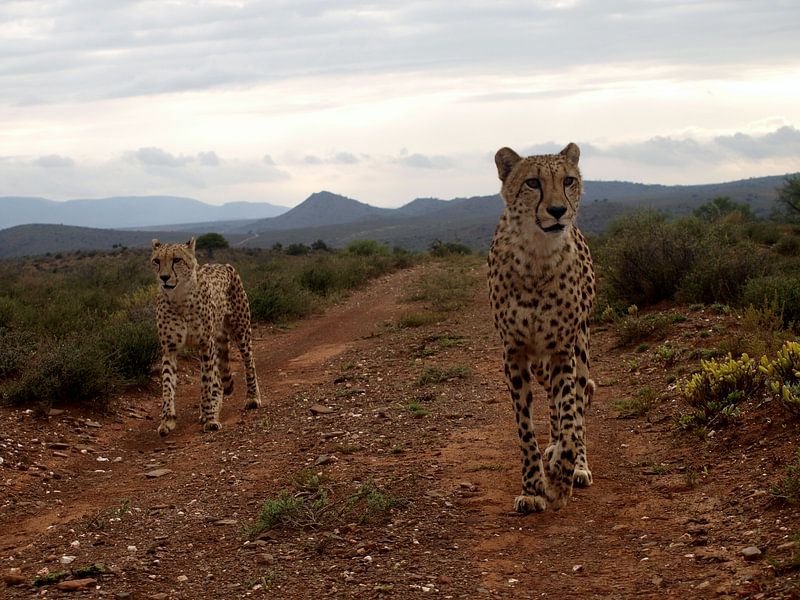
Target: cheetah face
x=545, y=187
x=175, y=265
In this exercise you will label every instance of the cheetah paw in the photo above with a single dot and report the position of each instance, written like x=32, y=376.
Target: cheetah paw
x=528, y=504
x=212, y=425
x=253, y=403
x=582, y=478
x=166, y=426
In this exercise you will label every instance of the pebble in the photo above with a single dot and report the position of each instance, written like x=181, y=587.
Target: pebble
x=787, y=546
x=226, y=522
x=319, y=409
x=183, y=578
x=323, y=459
x=58, y=446
x=131, y=548
x=265, y=559
x=14, y=579
x=157, y=473
x=65, y=560
x=75, y=584
x=750, y=553
x=94, y=424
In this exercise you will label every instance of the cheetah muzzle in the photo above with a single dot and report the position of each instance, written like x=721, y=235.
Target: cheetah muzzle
x=541, y=287
x=205, y=307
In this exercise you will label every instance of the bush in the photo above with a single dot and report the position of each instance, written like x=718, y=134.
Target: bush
x=634, y=328
x=273, y=301
x=716, y=391
x=367, y=248
x=210, y=242
x=63, y=371
x=783, y=376
x=645, y=258
x=722, y=268
x=297, y=249
x=441, y=249
x=17, y=348
x=781, y=290
x=131, y=348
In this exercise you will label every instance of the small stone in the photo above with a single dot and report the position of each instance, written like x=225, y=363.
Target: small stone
x=54, y=412
x=94, y=424
x=58, y=454
x=183, y=578
x=157, y=473
x=446, y=579
x=58, y=446
x=132, y=548
x=75, y=584
x=226, y=522
x=65, y=560
x=657, y=581
x=123, y=596
x=319, y=409
x=265, y=559
x=14, y=579
x=577, y=568
x=323, y=459
x=750, y=553
x=160, y=596
x=787, y=546
x=704, y=585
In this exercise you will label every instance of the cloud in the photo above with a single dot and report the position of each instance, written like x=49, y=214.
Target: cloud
x=54, y=160
x=783, y=142
x=422, y=161
x=156, y=157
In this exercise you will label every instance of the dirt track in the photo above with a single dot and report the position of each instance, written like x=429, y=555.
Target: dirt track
x=667, y=515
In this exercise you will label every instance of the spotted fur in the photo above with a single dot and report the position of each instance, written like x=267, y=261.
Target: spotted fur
x=203, y=307
x=541, y=286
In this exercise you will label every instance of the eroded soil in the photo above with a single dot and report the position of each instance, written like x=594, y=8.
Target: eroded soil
x=667, y=516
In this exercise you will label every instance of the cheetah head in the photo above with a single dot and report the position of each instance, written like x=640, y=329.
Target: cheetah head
x=546, y=187
x=175, y=265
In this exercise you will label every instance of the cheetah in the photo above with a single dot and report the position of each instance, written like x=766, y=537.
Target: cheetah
x=203, y=307
x=542, y=287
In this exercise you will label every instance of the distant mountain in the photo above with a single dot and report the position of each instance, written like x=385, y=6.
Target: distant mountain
x=338, y=220
x=127, y=211
x=320, y=209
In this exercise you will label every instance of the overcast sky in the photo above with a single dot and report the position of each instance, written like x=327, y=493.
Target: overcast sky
x=386, y=101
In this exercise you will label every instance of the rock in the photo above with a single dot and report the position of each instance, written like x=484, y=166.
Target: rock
x=182, y=578
x=65, y=560
x=323, y=459
x=58, y=446
x=60, y=454
x=750, y=553
x=265, y=559
x=226, y=522
x=75, y=584
x=132, y=549
x=14, y=579
x=90, y=423
x=54, y=412
x=787, y=546
x=319, y=409
x=161, y=596
x=157, y=473
x=577, y=568
x=704, y=585
x=446, y=579
x=123, y=596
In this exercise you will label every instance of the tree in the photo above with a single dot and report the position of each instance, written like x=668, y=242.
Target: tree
x=320, y=246
x=722, y=206
x=789, y=197
x=210, y=242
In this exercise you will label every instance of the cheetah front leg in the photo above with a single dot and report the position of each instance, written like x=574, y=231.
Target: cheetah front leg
x=534, y=486
x=169, y=370
x=210, y=389
x=583, y=397
x=246, y=350
x=561, y=463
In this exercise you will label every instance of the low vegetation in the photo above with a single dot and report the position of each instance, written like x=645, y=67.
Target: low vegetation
x=79, y=327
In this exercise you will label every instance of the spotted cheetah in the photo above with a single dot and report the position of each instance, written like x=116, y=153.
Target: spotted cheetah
x=541, y=286
x=204, y=307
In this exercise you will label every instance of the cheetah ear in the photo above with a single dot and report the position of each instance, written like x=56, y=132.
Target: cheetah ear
x=190, y=244
x=572, y=152
x=156, y=244
x=505, y=159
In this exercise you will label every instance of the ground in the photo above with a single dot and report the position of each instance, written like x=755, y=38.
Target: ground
x=351, y=395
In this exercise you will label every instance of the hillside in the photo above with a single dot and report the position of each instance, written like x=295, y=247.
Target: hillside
x=338, y=220
x=122, y=212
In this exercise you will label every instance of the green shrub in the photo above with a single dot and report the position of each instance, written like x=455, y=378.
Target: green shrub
x=367, y=248
x=274, y=301
x=71, y=370
x=722, y=269
x=131, y=348
x=717, y=390
x=297, y=250
x=781, y=290
x=644, y=257
x=441, y=249
x=783, y=376
x=17, y=348
x=788, y=489
x=788, y=245
x=633, y=328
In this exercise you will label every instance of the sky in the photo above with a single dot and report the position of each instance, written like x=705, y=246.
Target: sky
x=387, y=101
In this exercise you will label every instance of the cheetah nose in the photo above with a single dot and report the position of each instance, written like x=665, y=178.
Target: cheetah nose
x=164, y=278
x=557, y=211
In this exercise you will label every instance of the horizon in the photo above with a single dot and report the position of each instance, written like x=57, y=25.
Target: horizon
x=257, y=101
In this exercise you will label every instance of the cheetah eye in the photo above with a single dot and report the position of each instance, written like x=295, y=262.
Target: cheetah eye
x=568, y=181
x=176, y=260
x=156, y=262
x=533, y=183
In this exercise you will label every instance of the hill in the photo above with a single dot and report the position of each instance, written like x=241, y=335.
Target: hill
x=338, y=220
x=122, y=212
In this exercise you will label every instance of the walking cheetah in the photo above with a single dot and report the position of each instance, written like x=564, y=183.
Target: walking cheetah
x=203, y=307
x=541, y=286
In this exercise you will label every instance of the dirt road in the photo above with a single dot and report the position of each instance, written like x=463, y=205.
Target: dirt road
x=404, y=439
